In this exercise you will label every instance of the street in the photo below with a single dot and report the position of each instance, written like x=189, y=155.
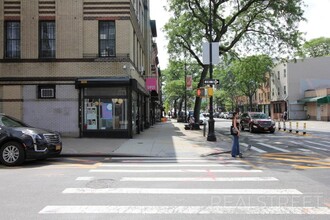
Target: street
x=282, y=176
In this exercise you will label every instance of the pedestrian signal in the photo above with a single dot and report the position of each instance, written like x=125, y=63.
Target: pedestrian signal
x=200, y=92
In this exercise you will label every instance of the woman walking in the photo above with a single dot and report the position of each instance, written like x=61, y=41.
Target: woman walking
x=235, y=125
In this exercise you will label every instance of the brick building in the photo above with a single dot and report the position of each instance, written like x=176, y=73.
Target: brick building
x=79, y=66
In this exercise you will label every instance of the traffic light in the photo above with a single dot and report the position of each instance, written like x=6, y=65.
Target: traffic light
x=201, y=92
x=210, y=91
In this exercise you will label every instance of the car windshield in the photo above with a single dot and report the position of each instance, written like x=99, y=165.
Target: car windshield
x=10, y=122
x=259, y=116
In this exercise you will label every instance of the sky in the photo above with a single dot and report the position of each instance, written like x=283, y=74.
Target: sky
x=317, y=25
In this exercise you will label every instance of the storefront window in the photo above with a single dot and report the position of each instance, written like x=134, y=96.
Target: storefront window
x=105, y=114
x=134, y=111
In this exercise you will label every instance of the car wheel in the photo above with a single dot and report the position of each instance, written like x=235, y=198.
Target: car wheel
x=242, y=127
x=272, y=131
x=251, y=129
x=12, y=154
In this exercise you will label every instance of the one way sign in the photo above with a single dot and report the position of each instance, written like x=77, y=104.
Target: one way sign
x=211, y=81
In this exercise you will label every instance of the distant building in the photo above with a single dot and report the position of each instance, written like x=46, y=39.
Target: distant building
x=317, y=104
x=289, y=81
x=80, y=66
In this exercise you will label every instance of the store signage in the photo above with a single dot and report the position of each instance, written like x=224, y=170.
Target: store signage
x=151, y=84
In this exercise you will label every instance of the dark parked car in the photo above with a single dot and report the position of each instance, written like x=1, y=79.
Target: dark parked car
x=19, y=142
x=257, y=121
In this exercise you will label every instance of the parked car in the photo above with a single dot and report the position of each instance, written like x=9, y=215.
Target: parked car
x=202, y=119
x=222, y=114
x=257, y=121
x=229, y=115
x=20, y=142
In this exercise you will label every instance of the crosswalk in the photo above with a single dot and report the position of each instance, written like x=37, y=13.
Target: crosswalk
x=181, y=187
x=289, y=146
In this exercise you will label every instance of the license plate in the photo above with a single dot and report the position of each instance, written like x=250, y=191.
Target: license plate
x=58, y=147
x=266, y=129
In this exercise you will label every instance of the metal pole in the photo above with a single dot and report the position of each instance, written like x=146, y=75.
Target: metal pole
x=211, y=136
x=185, y=92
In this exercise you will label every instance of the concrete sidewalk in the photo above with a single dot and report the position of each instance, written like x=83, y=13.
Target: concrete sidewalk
x=164, y=139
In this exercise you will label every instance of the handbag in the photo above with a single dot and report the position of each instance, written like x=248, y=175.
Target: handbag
x=233, y=131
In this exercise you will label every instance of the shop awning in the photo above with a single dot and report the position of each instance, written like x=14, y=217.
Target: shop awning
x=324, y=100
x=318, y=99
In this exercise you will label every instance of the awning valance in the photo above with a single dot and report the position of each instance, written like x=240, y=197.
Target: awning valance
x=324, y=100
x=318, y=100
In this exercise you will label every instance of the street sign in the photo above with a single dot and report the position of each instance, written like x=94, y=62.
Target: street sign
x=215, y=53
x=211, y=81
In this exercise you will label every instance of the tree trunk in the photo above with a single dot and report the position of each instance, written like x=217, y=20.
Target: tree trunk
x=198, y=100
x=250, y=103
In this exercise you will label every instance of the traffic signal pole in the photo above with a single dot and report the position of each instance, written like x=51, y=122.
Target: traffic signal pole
x=211, y=136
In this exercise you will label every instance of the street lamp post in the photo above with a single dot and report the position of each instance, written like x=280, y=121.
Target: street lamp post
x=185, y=91
x=211, y=136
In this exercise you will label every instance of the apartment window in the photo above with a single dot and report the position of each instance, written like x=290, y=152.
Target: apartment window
x=107, y=38
x=46, y=91
x=47, y=39
x=273, y=93
x=278, y=91
x=278, y=75
x=284, y=90
x=12, y=39
x=284, y=72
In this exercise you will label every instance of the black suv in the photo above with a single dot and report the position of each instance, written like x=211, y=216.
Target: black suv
x=257, y=121
x=19, y=142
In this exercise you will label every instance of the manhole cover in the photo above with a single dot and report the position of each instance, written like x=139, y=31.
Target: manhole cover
x=101, y=183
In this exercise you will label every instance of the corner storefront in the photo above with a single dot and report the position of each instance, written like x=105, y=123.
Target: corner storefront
x=111, y=107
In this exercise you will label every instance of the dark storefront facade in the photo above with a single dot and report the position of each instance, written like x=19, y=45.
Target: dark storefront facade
x=111, y=107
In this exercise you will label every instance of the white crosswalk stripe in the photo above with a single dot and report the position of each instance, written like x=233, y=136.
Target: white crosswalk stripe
x=173, y=165
x=174, y=171
x=153, y=178
x=273, y=147
x=309, y=146
x=168, y=191
x=198, y=179
x=253, y=148
x=324, y=145
x=192, y=210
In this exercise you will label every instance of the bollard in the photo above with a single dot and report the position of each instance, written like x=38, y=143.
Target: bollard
x=297, y=125
x=284, y=126
x=204, y=129
x=279, y=125
x=290, y=126
x=304, y=132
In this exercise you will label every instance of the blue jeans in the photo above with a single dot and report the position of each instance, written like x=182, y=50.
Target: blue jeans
x=235, y=147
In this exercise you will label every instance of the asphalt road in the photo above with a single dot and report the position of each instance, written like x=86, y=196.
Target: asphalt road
x=290, y=181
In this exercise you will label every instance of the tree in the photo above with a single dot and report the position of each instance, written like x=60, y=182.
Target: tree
x=250, y=72
x=317, y=47
x=174, y=80
x=241, y=26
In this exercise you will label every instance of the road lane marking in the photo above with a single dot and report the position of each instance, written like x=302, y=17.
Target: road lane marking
x=198, y=179
x=178, y=161
x=175, y=171
x=173, y=165
x=85, y=178
x=168, y=191
x=167, y=160
x=308, y=146
x=305, y=150
x=273, y=147
x=193, y=210
x=253, y=148
x=323, y=145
